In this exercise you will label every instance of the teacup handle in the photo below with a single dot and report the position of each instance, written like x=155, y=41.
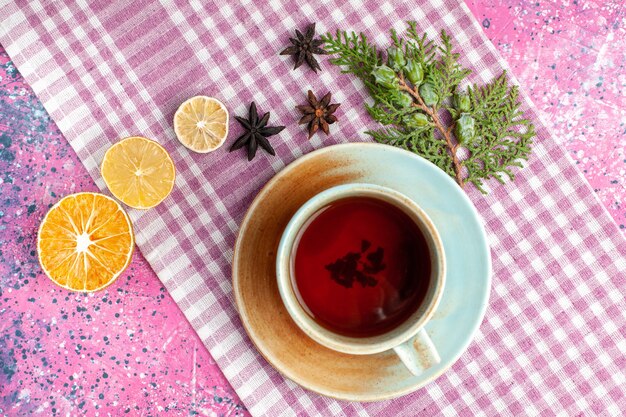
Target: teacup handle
x=418, y=353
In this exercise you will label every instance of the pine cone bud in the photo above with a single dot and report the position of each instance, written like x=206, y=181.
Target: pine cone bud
x=395, y=58
x=417, y=120
x=461, y=102
x=414, y=72
x=428, y=94
x=385, y=76
x=404, y=99
x=465, y=128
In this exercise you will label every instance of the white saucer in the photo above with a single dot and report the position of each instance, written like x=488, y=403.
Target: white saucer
x=381, y=376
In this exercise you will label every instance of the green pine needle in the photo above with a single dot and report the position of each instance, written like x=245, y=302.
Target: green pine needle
x=438, y=121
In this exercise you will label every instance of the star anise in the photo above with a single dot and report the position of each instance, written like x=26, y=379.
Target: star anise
x=318, y=113
x=303, y=48
x=256, y=133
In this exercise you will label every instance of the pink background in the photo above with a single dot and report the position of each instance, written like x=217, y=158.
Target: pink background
x=129, y=348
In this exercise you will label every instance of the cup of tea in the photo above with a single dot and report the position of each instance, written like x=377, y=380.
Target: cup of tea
x=361, y=270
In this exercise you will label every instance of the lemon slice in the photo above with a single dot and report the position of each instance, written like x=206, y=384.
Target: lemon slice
x=139, y=172
x=85, y=242
x=201, y=124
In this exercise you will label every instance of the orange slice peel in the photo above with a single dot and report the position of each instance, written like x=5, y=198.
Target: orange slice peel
x=85, y=242
x=139, y=172
x=201, y=124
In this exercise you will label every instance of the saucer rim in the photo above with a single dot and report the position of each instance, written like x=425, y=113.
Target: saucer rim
x=359, y=397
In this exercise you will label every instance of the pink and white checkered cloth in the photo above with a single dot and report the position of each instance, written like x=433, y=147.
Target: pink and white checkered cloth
x=553, y=340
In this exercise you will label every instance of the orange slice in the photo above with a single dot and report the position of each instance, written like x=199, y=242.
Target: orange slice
x=85, y=242
x=139, y=172
x=201, y=124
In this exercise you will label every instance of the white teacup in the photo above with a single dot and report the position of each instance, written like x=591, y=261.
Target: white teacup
x=409, y=340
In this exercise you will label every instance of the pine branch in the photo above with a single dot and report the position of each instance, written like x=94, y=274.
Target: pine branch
x=445, y=133
x=355, y=53
x=387, y=113
x=447, y=72
x=423, y=49
x=414, y=86
x=503, y=137
x=421, y=142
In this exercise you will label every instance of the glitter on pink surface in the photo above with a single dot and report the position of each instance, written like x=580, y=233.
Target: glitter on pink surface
x=129, y=348
x=570, y=58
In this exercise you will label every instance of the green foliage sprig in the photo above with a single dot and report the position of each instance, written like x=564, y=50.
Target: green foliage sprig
x=472, y=135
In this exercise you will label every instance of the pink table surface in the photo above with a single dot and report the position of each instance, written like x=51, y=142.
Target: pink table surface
x=128, y=349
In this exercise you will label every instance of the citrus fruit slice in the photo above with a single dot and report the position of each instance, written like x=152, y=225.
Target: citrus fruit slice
x=85, y=242
x=201, y=124
x=139, y=172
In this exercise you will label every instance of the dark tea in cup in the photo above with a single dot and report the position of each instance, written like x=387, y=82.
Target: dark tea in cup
x=360, y=266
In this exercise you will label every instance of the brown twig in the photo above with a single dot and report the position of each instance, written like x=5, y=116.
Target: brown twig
x=446, y=133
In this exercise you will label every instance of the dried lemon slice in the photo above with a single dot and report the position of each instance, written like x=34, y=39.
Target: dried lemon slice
x=85, y=242
x=139, y=172
x=201, y=124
